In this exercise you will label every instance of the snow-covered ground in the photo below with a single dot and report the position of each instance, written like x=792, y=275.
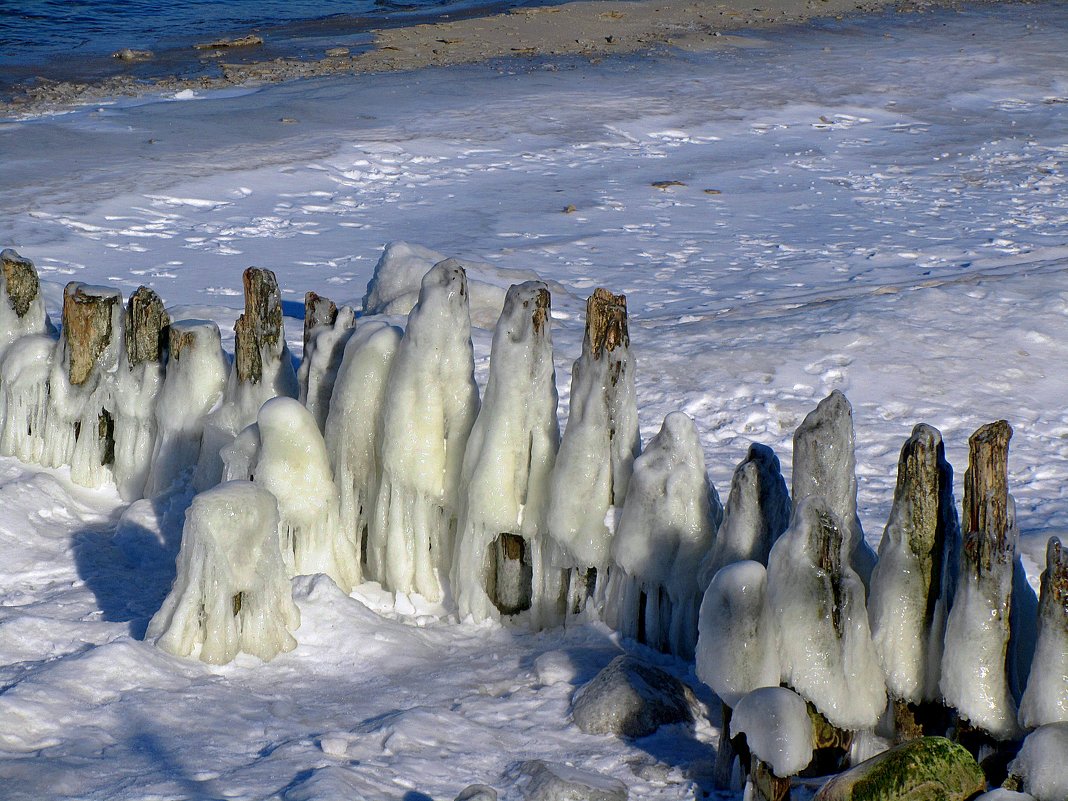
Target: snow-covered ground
x=875, y=205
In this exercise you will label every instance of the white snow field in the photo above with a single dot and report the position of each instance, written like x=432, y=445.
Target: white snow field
x=877, y=205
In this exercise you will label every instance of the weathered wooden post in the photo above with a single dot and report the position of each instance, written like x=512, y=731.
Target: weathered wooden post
x=22, y=309
x=1046, y=698
x=319, y=312
x=327, y=330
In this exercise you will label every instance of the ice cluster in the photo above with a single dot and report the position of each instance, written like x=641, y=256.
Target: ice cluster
x=777, y=728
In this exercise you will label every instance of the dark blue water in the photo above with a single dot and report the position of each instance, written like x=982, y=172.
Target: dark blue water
x=74, y=39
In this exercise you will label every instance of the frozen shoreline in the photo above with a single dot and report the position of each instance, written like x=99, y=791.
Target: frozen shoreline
x=586, y=28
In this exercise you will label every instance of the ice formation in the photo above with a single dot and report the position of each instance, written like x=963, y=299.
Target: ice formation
x=262, y=369
x=975, y=671
x=292, y=463
x=194, y=382
x=232, y=592
x=777, y=728
x=138, y=380
x=825, y=465
x=323, y=348
x=665, y=530
x=353, y=435
x=757, y=513
x=601, y=441
x=22, y=311
x=817, y=600
x=24, y=374
x=501, y=562
x=1046, y=697
x=913, y=581
x=737, y=648
x=431, y=404
x=79, y=430
x=1041, y=763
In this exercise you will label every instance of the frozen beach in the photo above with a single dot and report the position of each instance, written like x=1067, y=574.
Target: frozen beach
x=876, y=204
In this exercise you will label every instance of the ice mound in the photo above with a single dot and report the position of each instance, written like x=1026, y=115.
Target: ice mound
x=1041, y=763
x=777, y=728
x=1046, y=698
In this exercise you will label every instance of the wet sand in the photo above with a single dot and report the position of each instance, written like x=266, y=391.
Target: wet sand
x=589, y=29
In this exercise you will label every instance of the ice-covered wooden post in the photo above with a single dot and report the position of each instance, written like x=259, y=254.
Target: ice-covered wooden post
x=825, y=464
x=326, y=330
x=232, y=592
x=599, y=445
x=975, y=673
x=913, y=582
x=1046, y=698
x=23, y=372
x=138, y=381
x=501, y=564
x=431, y=404
x=263, y=369
x=81, y=421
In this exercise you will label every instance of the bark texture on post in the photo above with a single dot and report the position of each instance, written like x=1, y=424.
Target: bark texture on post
x=986, y=497
x=86, y=328
x=766, y=785
x=512, y=576
x=259, y=328
x=830, y=745
x=21, y=284
x=606, y=322
x=147, y=326
x=318, y=312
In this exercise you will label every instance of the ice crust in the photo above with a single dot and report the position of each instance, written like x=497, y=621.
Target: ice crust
x=431, y=404
x=509, y=460
x=664, y=532
x=737, y=645
x=777, y=728
x=817, y=600
x=232, y=591
x=353, y=434
x=1041, y=762
x=320, y=363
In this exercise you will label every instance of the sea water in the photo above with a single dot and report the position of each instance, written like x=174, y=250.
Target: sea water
x=74, y=39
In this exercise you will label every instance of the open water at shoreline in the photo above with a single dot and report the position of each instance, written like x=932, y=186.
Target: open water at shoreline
x=72, y=40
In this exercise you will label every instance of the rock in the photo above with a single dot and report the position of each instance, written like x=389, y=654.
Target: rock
x=336, y=52
x=129, y=54
x=477, y=792
x=927, y=769
x=630, y=698
x=551, y=781
x=242, y=41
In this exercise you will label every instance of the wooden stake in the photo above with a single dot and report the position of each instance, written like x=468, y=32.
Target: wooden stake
x=259, y=328
x=147, y=327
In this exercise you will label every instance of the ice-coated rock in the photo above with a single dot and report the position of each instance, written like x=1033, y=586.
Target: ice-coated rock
x=665, y=530
x=601, y=441
x=1042, y=763
x=538, y=780
x=232, y=590
x=825, y=465
x=630, y=698
x=507, y=466
x=757, y=513
x=777, y=728
x=913, y=581
x=1046, y=698
x=324, y=346
x=477, y=792
x=737, y=651
x=920, y=770
x=353, y=431
x=817, y=601
x=430, y=405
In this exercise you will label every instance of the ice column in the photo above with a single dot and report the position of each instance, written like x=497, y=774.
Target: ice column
x=195, y=379
x=263, y=369
x=665, y=530
x=232, y=592
x=757, y=513
x=913, y=581
x=817, y=601
x=1046, y=698
x=501, y=563
x=599, y=445
x=138, y=381
x=431, y=404
x=326, y=330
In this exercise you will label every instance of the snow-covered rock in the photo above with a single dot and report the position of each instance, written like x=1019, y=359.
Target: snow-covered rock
x=430, y=405
x=507, y=467
x=825, y=465
x=817, y=601
x=477, y=792
x=737, y=646
x=777, y=728
x=1042, y=761
x=539, y=780
x=232, y=591
x=630, y=698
